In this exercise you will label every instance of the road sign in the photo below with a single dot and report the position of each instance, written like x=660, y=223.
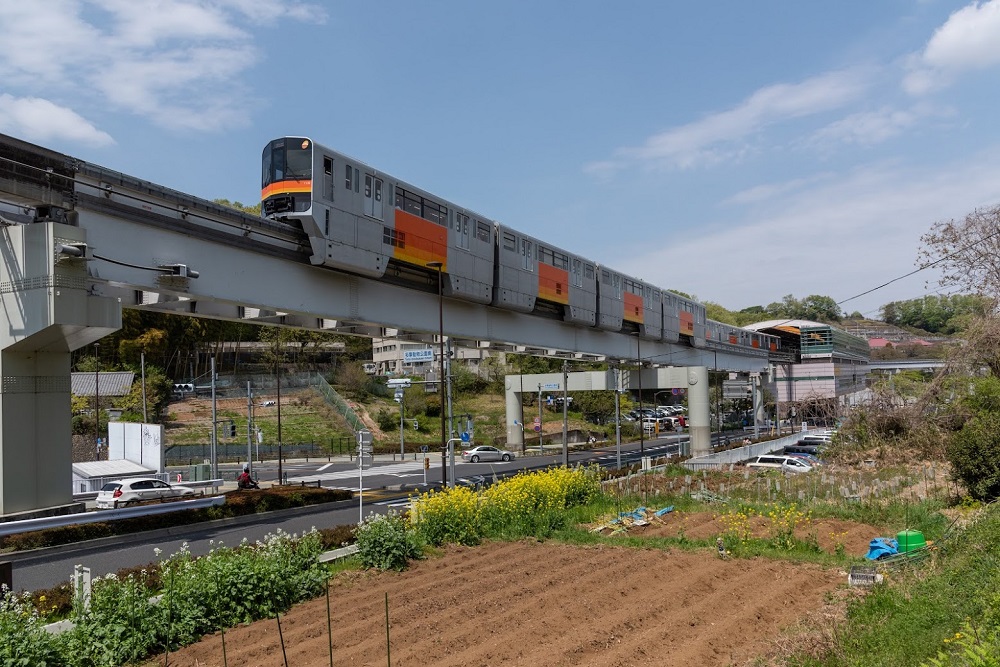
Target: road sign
x=538, y=427
x=364, y=437
x=404, y=382
x=366, y=461
x=551, y=385
x=423, y=449
x=538, y=420
x=465, y=436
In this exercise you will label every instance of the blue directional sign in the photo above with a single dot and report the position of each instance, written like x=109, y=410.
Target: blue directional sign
x=465, y=436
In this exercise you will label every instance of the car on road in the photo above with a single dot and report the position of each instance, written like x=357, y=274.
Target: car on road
x=125, y=492
x=486, y=453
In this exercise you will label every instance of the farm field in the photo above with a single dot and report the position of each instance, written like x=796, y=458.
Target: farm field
x=533, y=603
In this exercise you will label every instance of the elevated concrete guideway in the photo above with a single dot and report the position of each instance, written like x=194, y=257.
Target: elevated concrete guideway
x=694, y=380
x=81, y=242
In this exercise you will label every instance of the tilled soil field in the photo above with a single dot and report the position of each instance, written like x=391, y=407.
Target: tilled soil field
x=531, y=603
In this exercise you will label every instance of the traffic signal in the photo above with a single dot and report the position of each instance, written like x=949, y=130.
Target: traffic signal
x=232, y=429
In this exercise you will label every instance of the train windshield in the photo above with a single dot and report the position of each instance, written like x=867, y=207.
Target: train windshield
x=288, y=159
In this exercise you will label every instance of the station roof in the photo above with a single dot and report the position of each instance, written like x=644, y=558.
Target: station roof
x=788, y=326
x=119, y=468
x=112, y=383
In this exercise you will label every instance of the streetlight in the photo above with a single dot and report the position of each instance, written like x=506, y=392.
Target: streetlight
x=97, y=398
x=444, y=439
x=642, y=422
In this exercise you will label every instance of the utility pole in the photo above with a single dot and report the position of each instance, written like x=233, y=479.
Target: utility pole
x=565, y=370
x=249, y=427
x=540, y=422
x=215, y=426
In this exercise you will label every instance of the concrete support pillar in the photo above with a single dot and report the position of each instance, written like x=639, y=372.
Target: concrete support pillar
x=515, y=429
x=699, y=409
x=48, y=313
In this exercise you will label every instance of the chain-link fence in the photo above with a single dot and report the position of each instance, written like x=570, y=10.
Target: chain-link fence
x=237, y=453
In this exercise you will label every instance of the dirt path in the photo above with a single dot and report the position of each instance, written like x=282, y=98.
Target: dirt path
x=530, y=603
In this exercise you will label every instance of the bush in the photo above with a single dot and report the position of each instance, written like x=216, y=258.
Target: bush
x=25, y=641
x=386, y=541
x=974, y=455
x=387, y=420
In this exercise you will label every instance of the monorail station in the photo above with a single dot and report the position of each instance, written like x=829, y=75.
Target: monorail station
x=832, y=365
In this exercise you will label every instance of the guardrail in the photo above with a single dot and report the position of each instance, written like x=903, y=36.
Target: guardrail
x=719, y=460
x=27, y=525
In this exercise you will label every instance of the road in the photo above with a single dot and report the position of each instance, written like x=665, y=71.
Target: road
x=385, y=485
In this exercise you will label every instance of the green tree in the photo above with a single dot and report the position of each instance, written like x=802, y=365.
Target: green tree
x=974, y=455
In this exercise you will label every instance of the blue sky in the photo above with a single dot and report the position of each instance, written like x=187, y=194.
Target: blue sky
x=736, y=151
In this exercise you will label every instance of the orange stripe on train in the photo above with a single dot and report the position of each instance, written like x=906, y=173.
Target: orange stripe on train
x=422, y=241
x=687, y=323
x=285, y=187
x=633, y=308
x=553, y=284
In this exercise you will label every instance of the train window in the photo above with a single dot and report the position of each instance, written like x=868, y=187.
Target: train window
x=357, y=181
x=328, y=222
x=393, y=237
x=588, y=271
x=462, y=226
x=482, y=231
x=347, y=177
x=435, y=212
x=527, y=254
x=576, y=275
x=509, y=242
x=327, y=165
x=605, y=278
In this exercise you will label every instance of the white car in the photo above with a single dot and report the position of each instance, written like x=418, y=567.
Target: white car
x=125, y=492
x=486, y=453
x=788, y=464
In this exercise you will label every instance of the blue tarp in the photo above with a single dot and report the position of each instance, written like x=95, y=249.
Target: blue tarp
x=882, y=547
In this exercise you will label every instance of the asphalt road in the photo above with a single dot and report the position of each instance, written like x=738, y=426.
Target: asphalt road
x=385, y=485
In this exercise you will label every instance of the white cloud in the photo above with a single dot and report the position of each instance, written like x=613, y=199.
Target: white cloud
x=868, y=128
x=840, y=238
x=968, y=40
x=176, y=62
x=721, y=135
x=40, y=120
x=769, y=191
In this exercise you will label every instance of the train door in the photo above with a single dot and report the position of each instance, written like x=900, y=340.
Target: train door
x=373, y=196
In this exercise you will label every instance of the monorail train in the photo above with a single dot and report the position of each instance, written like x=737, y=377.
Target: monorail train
x=341, y=205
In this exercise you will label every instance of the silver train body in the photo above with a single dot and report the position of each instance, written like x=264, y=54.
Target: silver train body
x=367, y=222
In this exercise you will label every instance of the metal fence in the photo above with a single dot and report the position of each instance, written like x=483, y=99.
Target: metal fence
x=338, y=402
x=740, y=454
x=237, y=453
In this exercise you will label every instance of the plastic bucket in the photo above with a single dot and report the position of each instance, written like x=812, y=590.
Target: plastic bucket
x=910, y=540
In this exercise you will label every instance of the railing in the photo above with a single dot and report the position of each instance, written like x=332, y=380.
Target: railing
x=338, y=403
x=26, y=525
x=740, y=454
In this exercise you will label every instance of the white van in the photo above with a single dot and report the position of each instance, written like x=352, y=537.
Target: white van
x=778, y=462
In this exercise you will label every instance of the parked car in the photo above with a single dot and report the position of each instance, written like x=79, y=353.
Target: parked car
x=125, y=492
x=779, y=462
x=486, y=453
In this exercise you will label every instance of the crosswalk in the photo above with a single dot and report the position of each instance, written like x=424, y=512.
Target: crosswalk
x=398, y=469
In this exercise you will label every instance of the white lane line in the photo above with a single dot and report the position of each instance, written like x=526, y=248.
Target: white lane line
x=321, y=468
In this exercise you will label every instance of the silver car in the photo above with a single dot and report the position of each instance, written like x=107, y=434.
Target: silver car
x=125, y=492
x=486, y=453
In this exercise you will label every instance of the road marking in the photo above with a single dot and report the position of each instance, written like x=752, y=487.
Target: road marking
x=391, y=469
x=321, y=468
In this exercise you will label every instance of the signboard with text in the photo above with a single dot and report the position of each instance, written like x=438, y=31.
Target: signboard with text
x=418, y=356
